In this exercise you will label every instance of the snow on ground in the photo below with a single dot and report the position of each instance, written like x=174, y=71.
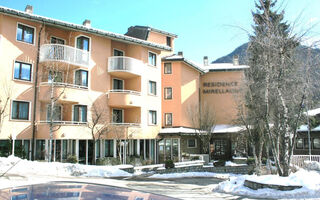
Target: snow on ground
x=25, y=167
x=191, y=174
x=309, y=180
x=230, y=163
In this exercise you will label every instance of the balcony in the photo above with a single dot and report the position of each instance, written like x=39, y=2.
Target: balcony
x=66, y=130
x=124, y=98
x=64, y=53
x=69, y=92
x=124, y=67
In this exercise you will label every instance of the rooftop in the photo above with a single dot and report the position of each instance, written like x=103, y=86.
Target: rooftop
x=224, y=67
x=77, y=27
x=177, y=57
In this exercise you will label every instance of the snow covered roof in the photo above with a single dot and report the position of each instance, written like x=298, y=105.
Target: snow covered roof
x=55, y=22
x=224, y=67
x=304, y=128
x=178, y=130
x=313, y=112
x=142, y=32
x=221, y=128
x=224, y=128
x=175, y=57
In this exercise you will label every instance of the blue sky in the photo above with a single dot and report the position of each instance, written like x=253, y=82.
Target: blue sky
x=204, y=27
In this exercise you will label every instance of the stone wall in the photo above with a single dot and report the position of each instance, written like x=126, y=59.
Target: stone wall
x=200, y=168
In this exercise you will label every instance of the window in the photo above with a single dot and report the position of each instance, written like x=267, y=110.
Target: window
x=169, y=41
x=81, y=78
x=22, y=71
x=152, y=87
x=55, y=76
x=168, y=93
x=117, y=116
x=83, y=43
x=168, y=119
x=56, y=115
x=108, y=148
x=20, y=110
x=299, y=143
x=55, y=40
x=117, y=84
x=25, y=34
x=117, y=52
x=167, y=68
x=80, y=113
x=306, y=143
x=192, y=143
x=316, y=143
x=152, y=59
x=152, y=117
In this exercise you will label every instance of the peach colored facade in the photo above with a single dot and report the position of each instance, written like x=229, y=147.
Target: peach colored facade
x=90, y=69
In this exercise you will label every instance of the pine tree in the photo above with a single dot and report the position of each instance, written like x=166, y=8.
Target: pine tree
x=275, y=91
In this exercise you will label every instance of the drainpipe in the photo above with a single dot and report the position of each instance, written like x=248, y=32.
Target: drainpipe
x=35, y=97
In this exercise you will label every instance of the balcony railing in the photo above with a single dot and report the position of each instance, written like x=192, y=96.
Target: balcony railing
x=125, y=124
x=67, y=85
x=125, y=64
x=125, y=91
x=63, y=122
x=64, y=53
x=124, y=98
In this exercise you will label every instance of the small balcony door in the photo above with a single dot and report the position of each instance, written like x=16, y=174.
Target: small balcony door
x=119, y=61
x=117, y=84
x=58, y=51
x=117, y=116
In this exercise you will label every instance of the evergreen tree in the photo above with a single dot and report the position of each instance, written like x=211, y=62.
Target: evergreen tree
x=275, y=91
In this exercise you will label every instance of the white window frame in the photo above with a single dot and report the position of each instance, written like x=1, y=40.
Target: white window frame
x=122, y=110
x=164, y=93
x=152, y=124
x=29, y=114
x=119, y=80
x=26, y=81
x=34, y=34
x=164, y=65
x=52, y=36
x=156, y=59
x=124, y=53
x=61, y=114
x=81, y=35
x=150, y=88
x=165, y=119
x=73, y=112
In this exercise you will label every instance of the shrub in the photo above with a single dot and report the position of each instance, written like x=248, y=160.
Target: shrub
x=264, y=160
x=108, y=161
x=72, y=159
x=250, y=161
x=168, y=164
x=219, y=163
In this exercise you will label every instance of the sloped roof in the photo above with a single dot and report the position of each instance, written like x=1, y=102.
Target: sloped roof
x=175, y=57
x=77, y=27
x=142, y=32
x=224, y=67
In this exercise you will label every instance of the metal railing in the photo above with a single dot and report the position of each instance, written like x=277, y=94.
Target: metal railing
x=299, y=160
x=125, y=64
x=64, y=53
x=125, y=124
x=125, y=91
x=63, y=122
x=68, y=85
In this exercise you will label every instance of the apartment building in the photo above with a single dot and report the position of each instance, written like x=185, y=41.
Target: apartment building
x=61, y=77
x=187, y=86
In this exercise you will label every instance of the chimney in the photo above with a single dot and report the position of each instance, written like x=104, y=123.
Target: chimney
x=180, y=53
x=236, y=60
x=205, y=61
x=86, y=23
x=29, y=9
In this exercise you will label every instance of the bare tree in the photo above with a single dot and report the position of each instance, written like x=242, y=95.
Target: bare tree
x=5, y=96
x=98, y=125
x=203, y=121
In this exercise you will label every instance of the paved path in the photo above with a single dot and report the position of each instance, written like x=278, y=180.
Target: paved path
x=182, y=188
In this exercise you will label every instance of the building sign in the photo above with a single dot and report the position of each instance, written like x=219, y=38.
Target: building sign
x=220, y=87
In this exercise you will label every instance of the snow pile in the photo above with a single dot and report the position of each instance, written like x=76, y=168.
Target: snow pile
x=309, y=180
x=312, y=165
x=191, y=174
x=23, y=167
x=229, y=163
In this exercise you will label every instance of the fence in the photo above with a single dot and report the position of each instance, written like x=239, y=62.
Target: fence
x=299, y=160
